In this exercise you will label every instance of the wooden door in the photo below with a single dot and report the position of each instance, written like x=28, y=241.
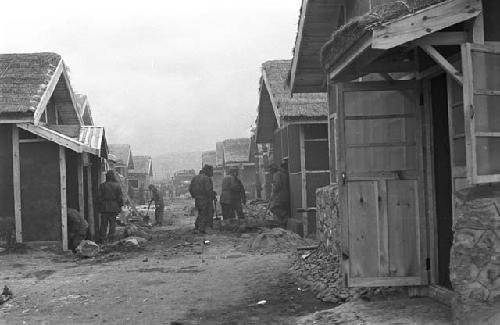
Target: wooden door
x=381, y=177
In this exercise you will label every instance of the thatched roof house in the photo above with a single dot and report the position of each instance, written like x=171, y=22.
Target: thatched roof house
x=123, y=155
x=277, y=106
x=209, y=158
x=142, y=165
x=236, y=151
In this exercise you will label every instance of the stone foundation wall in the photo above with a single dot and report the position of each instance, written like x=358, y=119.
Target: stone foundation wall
x=475, y=255
x=328, y=225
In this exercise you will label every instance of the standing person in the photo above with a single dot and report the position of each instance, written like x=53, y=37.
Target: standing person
x=110, y=200
x=202, y=190
x=280, y=194
x=232, y=195
x=159, y=205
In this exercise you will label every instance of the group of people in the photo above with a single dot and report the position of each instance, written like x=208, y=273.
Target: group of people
x=233, y=198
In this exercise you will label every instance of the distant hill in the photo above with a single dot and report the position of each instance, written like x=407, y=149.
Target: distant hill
x=165, y=165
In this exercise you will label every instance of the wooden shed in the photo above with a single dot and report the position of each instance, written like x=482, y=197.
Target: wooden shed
x=235, y=153
x=45, y=166
x=296, y=128
x=414, y=90
x=139, y=178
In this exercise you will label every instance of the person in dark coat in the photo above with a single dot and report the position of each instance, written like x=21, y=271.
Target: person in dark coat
x=159, y=205
x=110, y=200
x=232, y=195
x=77, y=228
x=280, y=194
x=202, y=190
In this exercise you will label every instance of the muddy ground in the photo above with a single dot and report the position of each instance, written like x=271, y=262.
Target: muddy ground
x=174, y=279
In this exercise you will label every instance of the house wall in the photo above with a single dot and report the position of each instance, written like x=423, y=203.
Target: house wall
x=247, y=176
x=72, y=179
x=40, y=191
x=6, y=185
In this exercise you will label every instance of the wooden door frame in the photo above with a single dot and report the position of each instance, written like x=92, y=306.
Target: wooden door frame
x=423, y=240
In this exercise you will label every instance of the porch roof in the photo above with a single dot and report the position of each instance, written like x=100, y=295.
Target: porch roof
x=57, y=137
x=364, y=39
x=95, y=138
x=317, y=21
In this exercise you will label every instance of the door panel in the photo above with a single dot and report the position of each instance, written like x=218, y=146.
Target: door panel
x=380, y=164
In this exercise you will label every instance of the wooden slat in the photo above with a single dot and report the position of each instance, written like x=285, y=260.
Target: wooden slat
x=303, y=177
x=468, y=98
x=81, y=190
x=382, y=144
x=383, y=235
x=486, y=92
x=386, y=175
x=16, y=178
x=443, y=62
x=64, y=207
x=488, y=134
x=384, y=281
x=378, y=117
x=424, y=22
x=90, y=198
x=442, y=38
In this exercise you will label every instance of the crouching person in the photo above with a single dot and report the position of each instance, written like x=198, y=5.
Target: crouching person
x=77, y=228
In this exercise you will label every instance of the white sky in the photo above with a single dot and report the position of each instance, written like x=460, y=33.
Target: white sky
x=164, y=76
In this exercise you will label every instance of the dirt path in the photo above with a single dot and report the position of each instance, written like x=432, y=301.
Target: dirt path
x=176, y=279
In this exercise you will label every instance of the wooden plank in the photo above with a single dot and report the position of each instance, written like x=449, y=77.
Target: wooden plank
x=487, y=92
x=377, y=117
x=385, y=281
x=386, y=175
x=64, y=207
x=443, y=62
x=383, y=235
x=32, y=140
x=424, y=22
x=382, y=144
x=442, y=38
x=487, y=134
x=429, y=180
x=90, y=205
x=81, y=190
x=53, y=136
x=389, y=67
x=468, y=99
x=16, y=173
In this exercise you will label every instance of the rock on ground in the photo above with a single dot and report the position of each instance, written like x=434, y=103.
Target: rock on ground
x=87, y=248
x=275, y=240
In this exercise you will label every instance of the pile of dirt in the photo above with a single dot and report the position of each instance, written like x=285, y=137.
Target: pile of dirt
x=320, y=271
x=275, y=240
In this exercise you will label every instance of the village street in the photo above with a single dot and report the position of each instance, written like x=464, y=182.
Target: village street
x=175, y=279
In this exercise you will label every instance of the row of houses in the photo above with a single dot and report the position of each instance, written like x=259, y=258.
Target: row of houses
x=52, y=156
x=393, y=106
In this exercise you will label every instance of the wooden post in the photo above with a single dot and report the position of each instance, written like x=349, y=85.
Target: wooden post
x=64, y=208
x=81, y=190
x=90, y=197
x=303, y=178
x=16, y=178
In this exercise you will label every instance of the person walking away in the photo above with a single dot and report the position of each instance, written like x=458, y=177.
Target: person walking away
x=201, y=189
x=229, y=194
x=110, y=200
x=280, y=194
x=77, y=228
x=159, y=204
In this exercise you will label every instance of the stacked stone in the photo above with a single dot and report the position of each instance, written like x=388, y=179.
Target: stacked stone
x=475, y=255
x=328, y=223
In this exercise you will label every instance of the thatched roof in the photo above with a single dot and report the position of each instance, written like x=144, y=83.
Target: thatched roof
x=142, y=165
x=209, y=158
x=24, y=78
x=236, y=150
x=123, y=154
x=345, y=37
x=274, y=79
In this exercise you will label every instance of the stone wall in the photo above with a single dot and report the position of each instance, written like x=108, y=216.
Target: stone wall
x=475, y=255
x=328, y=224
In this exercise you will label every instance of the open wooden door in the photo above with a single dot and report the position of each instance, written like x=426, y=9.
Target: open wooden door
x=481, y=96
x=381, y=183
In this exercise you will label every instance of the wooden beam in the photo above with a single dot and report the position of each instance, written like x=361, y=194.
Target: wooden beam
x=443, y=63
x=55, y=136
x=389, y=67
x=303, y=178
x=90, y=198
x=16, y=178
x=442, y=38
x=64, y=207
x=424, y=22
x=48, y=93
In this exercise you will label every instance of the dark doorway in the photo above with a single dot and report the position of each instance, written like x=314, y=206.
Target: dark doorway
x=442, y=177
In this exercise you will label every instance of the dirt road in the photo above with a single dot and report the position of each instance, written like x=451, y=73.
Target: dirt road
x=175, y=279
